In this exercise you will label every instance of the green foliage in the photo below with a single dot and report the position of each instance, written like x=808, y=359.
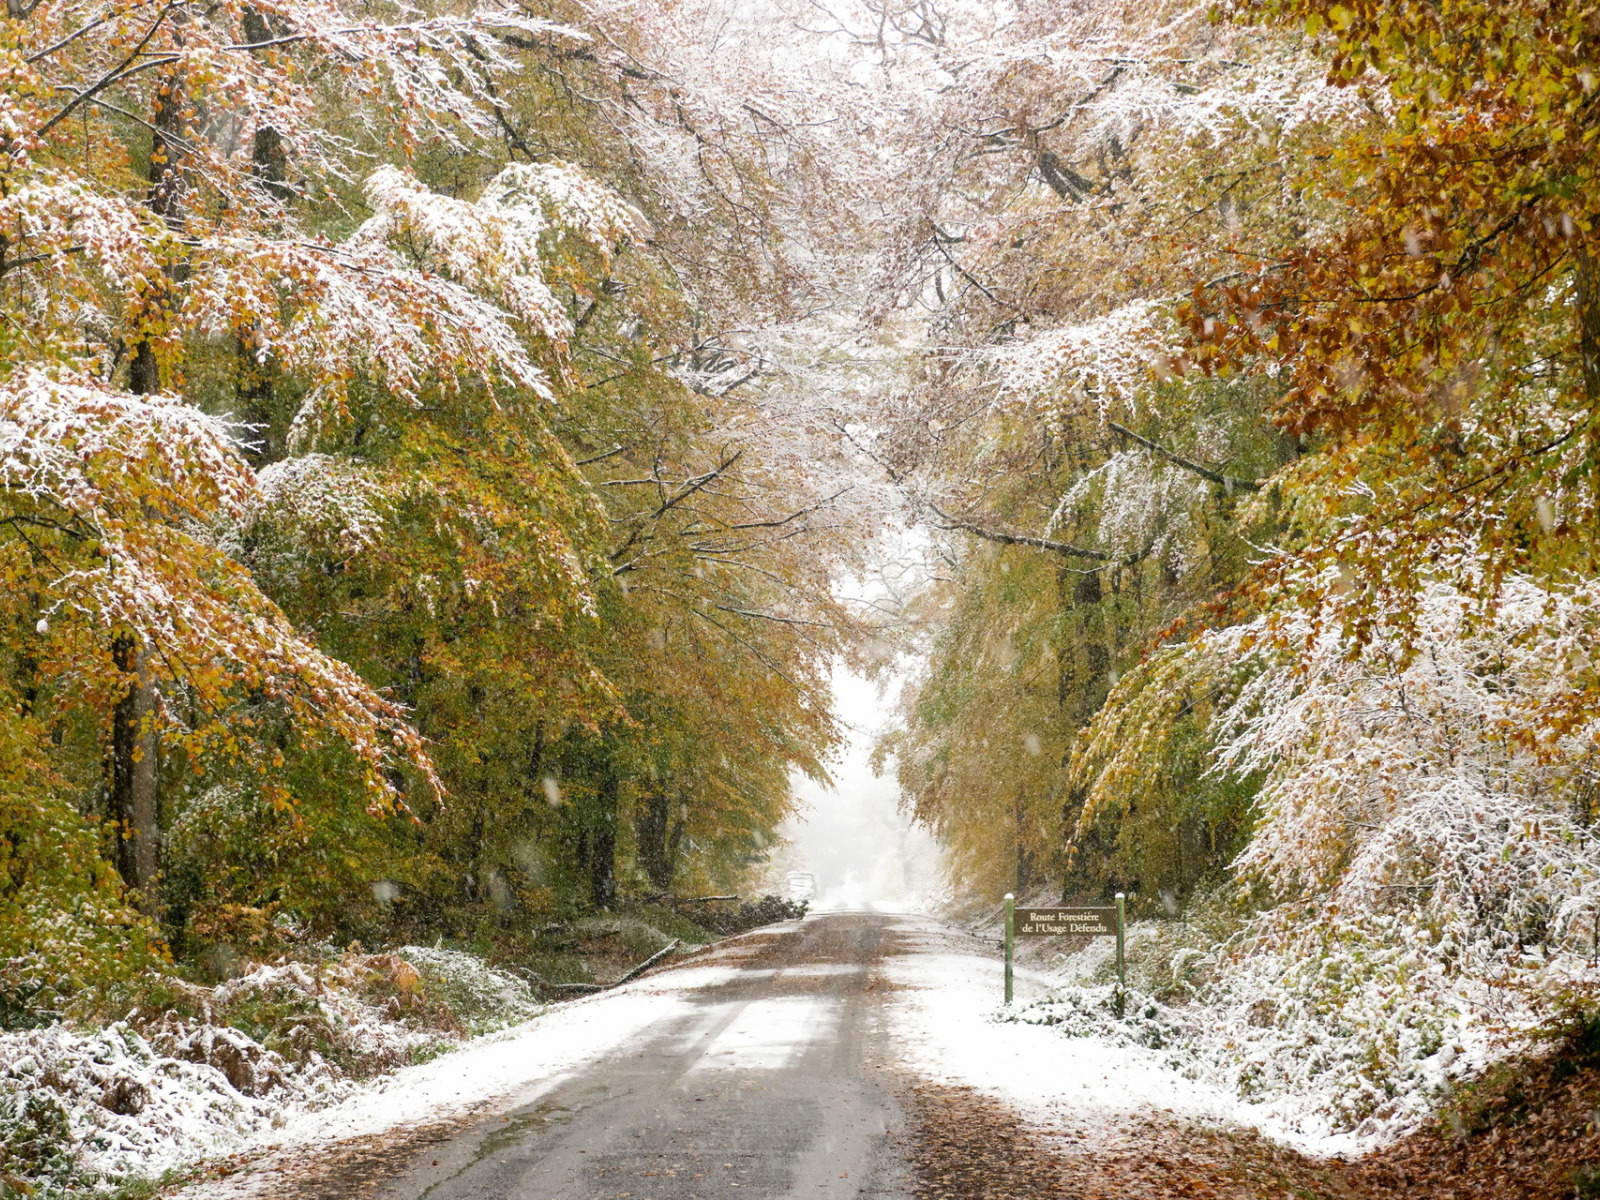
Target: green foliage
x=1496, y=1099
x=506, y=623
x=1028, y=648
x=35, y=1143
x=64, y=926
x=1170, y=958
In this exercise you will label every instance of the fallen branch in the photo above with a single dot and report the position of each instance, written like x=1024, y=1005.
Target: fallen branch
x=649, y=962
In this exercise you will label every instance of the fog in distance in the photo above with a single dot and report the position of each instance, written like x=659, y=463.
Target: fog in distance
x=852, y=836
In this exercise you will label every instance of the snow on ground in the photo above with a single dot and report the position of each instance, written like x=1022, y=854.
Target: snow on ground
x=181, y=1078
x=1342, y=1052
x=769, y=1034
x=533, y=1056
x=1078, y=1078
x=949, y=994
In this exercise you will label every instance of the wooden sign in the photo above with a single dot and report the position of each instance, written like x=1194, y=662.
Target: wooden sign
x=1069, y=922
x=1079, y=922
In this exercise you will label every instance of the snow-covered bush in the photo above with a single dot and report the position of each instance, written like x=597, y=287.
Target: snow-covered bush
x=35, y=1139
x=193, y=1070
x=1323, y=1048
x=479, y=997
x=1356, y=1028
x=1424, y=863
x=360, y=1014
x=1168, y=960
x=1425, y=831
x=77, y=1106
x=1124, y=1017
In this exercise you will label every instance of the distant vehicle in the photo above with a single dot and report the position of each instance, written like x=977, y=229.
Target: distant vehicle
x=799, y=885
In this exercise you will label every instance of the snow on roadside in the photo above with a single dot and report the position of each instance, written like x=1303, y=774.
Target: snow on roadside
x=947, y=1011
x=179, y=1078
x=79, y=1105
x=506, y=1069
x=947, y=996
x=1344, y=1051
x=160, y=1092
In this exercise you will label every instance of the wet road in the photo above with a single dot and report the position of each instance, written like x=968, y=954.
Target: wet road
x=771, y=1085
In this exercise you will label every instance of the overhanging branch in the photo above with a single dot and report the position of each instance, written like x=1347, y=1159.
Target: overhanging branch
x=1177, y=460
x=1039, y=543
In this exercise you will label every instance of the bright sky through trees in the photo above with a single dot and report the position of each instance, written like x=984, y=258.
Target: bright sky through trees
x=855, y=836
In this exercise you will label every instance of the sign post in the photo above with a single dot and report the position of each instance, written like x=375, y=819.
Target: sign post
x=1122, y=912
x=1010, y=923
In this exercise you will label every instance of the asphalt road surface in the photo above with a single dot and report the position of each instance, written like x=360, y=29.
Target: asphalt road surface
x=777, y=1083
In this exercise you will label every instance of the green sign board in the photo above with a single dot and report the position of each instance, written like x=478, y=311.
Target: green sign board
x=1067, y=922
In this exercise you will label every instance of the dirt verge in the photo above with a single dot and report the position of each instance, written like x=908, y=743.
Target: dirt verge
x=966, y=1146
x=1531, y=1131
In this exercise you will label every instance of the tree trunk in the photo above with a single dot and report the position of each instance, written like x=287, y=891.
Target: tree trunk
x=1024, y=855
x=269, y=163
x=650, y=835
x=475, y=883
x=135, y=781
x=675, y=839
x=1082, y=665
x=165, y=199
x=580, y=850
x=1089, y=594
x=603, y=846
x=260, y=443
x=269, y=155
x=1588, y=280
x=135, y=797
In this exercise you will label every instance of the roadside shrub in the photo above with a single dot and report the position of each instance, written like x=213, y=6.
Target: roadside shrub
x=195, y=1070
x=752, y=914
x=35, y=1142
x=479, y=998
x=1121, y=1016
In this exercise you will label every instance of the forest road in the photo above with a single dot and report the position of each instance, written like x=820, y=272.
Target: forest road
x=778, y=1082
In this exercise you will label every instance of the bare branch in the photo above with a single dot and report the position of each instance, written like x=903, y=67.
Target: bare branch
x=611, y=453
x=1177, y=460
x=1022, y=539
x=794, y=516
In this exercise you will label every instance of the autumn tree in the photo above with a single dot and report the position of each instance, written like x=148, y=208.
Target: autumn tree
x=1082, y=492
x=323, y=362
